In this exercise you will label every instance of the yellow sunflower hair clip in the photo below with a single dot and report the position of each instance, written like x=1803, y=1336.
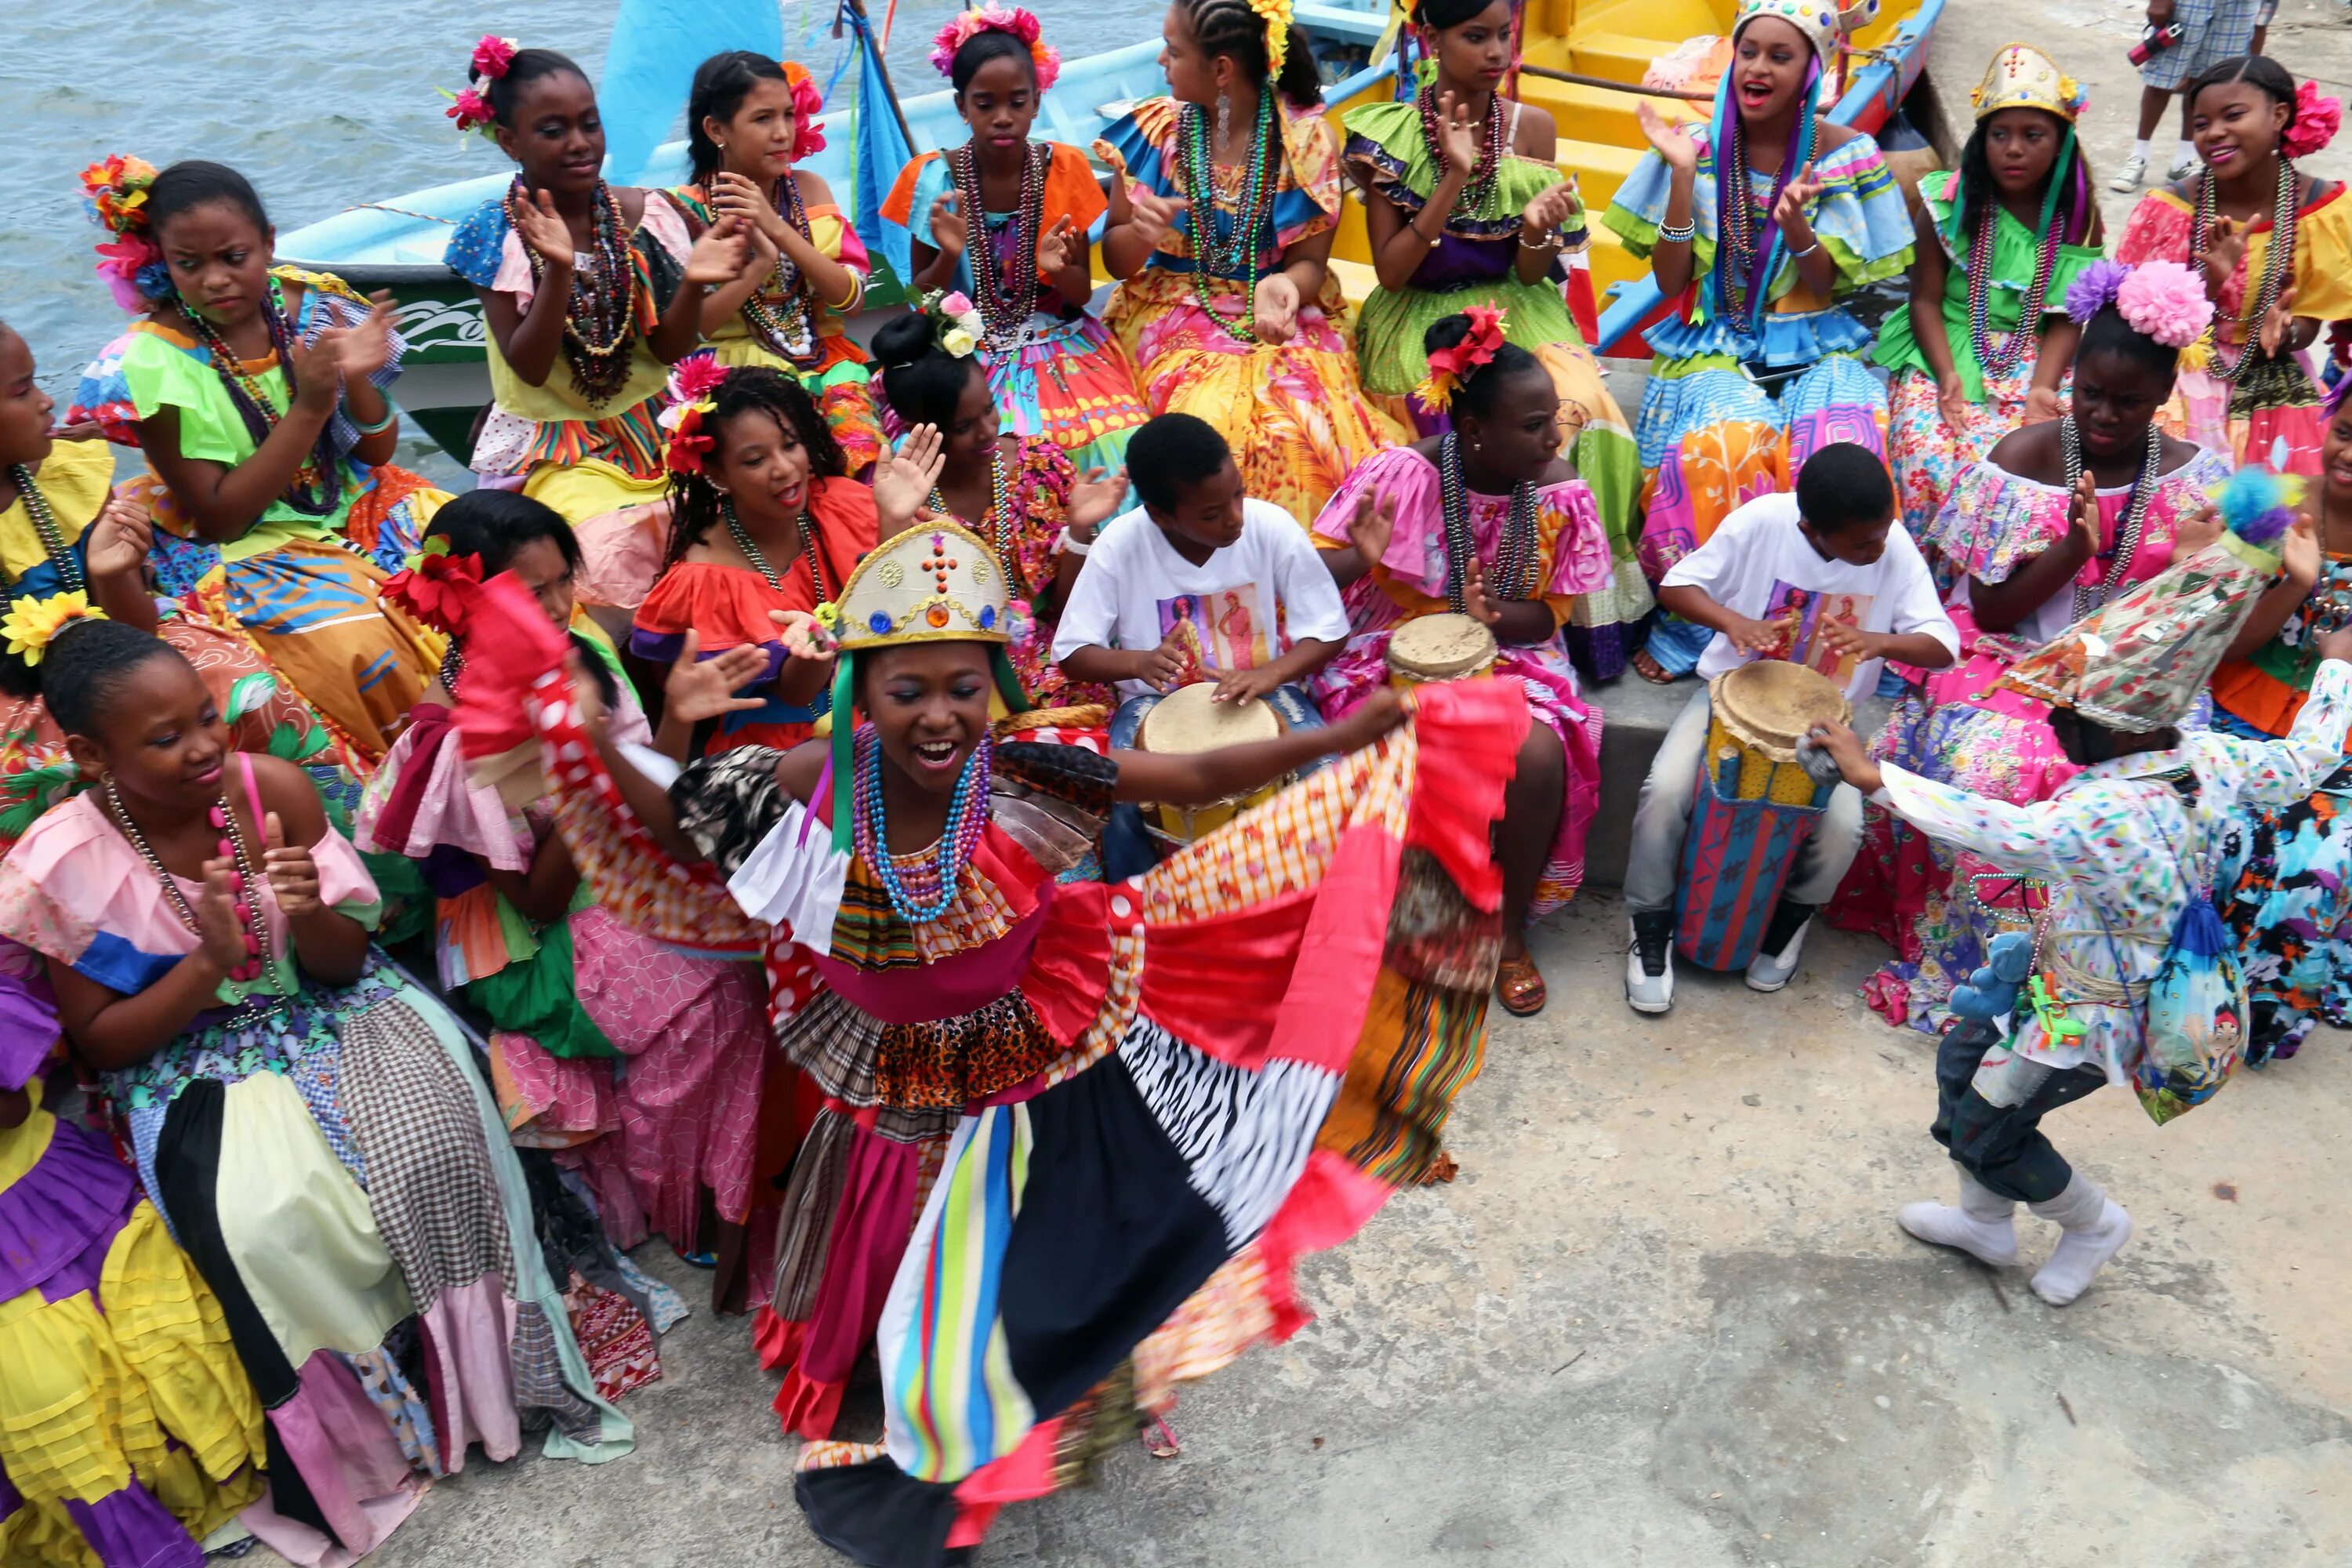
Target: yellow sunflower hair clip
x=32, y=625
x=1275, y=14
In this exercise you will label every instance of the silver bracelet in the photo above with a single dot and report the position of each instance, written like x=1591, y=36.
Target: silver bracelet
x=1801, y=254
x=1669, y=234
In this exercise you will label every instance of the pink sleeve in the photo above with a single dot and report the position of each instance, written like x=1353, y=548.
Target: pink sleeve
x=344, y=885
x=1404, y=477
x=2158, y=230
x=1571, y=524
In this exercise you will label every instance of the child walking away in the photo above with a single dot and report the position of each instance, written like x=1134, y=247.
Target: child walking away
x=569, y=990
x=749, y=121
x=1018, y=493
x=1466, y=208
x=590, y=293
x=2274, y=247
x=1755, y=230
x=2130, y=978
x=311, y=1124
x=1200, y=583
x=1225, y=200
x=1046, y=1149
x=765, y=521
x=1986, y=343
x=1486, y=521
x=258, y=394
x=1010, y=223
x=1826, y=577
x=66, y=543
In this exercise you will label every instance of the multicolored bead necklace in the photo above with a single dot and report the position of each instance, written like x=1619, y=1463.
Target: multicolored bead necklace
x=2000, y=358
x=1744, y=257
x=2278, y=261
x=1219, y=251
x=2143, y=492
x=998, y=525
x=1481, y=184
x=317, y=488
x=780, y=312
x=921, y=894
x=758, y=558
x=1514, y=555
x=234, y=850
x=1006, y=302
x=600, y=318
x=45, y=528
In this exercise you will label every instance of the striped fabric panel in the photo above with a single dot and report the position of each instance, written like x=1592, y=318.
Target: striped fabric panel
x=1243, y=1135
x=295, y=590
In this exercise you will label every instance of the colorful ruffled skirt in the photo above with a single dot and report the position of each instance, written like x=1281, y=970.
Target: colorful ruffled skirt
x=2285, y=888
x=1294, y=413
x=1927, y=455
x=1070, y=383
x=2274, y=417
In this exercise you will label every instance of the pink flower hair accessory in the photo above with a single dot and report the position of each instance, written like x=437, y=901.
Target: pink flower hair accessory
x=693, y=382
x=2317, y=118
x=470, y=111
x=492, y=56
x=2166, y=301
x=1023, y=27
x=808, y=102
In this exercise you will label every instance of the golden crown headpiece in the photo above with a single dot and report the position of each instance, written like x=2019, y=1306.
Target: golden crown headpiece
x=935, y=583
x=2023, y=77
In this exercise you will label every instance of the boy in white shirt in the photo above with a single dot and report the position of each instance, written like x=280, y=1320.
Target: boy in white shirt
x=1200, y=583
x=1826, y=577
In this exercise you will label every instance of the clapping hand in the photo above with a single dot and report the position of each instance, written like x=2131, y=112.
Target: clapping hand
x=734, y=196
x=1155, y=216
x=2299, y=553
x=547, y=235
x=1061, y=246
x=804, y=635
x=2195, y=532
x=2225, y=247
x=1371, y=527
x=904, y=477
x=698, y=689
x=1763, y=640
x=220, y=935
x=1476, y=601
x=363, y=350
x=1797, y=195
x=293, y=876
x=1457, y=136
x=2278, y=322
x=1676, y=141
x=950, y=230
x=1549, y=210
x=2083, y=515
x=720, y=256
x=1096, y=498
x=1275, y=308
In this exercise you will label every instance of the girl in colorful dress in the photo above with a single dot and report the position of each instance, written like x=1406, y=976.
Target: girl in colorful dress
x=1486, y=520
x=258, y=394
x=65, y=543
x=309, y=1123
x=567, y=989
x=1756, y=265
x=2274, y=246
x=1052, y=364
x=589, y=293
x=1221, y=218
x=750, y=121
x=128, y=1432
x=993, y=1041
x=1020, y=493
x=2060, y=518
x=2286, y=874
x=1467, y=207
x=1987, y=342
x=765, y=520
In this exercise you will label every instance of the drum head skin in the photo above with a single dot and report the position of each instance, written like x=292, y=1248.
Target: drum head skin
x=1186, y=721
x=1771, y=704
x=1441, y=647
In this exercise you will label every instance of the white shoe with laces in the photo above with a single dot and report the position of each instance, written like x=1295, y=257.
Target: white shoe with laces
x=1770, y=971
x=2128, y=174
x=1650, y=964
x=2182, y=170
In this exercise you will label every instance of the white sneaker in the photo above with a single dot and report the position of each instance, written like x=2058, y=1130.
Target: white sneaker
x=1770, y=971
x=1986, y=1240
x=2183, y=169
x=2081, y=1254
x=1650, y=969
x=2128, y=174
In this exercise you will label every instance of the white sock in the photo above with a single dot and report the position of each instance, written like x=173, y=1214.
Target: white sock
x=2140, y=149
x=2093, y=1229
x=1980, y=1226
x=2182, y=153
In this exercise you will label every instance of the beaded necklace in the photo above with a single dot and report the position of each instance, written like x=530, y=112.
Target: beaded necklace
x=1743, y=258
x=1514, y=555
x=45, y=528
x=2143, y=492
x=758, y=558
x=234, y=850
x=2277, y=261
x=780, y=312
x=316, y=487
x=998, y=525
x=599, y=317
x=1481, y=183
x=2000, y=358
x=921, y=893
x=1219, y=252
x=1006, y=301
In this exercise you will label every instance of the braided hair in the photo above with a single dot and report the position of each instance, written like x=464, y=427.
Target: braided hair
x=921, y=381
x=1474, y=394
x=695, y=501
x=1229, y=28
x=81, y=669
x=501, y=91
x=495, y=525
x=721, y=83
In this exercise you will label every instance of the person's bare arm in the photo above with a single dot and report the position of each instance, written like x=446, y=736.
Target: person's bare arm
x=1206, y=776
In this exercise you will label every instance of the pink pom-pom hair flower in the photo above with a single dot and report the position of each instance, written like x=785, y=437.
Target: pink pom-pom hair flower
x=2166, y=301
x=1021, y=24
x=2317, y=118
x=469, y=111
x=492, y=56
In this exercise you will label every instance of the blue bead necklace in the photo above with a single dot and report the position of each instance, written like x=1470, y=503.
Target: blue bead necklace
x=967, y=816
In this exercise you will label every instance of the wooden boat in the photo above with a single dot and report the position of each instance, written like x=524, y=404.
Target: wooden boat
x=1610, y=44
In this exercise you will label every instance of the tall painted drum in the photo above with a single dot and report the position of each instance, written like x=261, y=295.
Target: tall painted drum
x=1755, y=807
x=1437, y=648
x=1186, y=721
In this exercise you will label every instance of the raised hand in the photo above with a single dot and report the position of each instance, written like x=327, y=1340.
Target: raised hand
x=548, y=236
x=1275, y=308
x=1457, y=136
x=903, y=479
x=698, y=689
x=293, y=876
x=1062, y=246
x=220, y=935
x=1096, y=498
x=1371, y=527
x=117, y=542
x=1795, y=197
x=720, y=256
x=1474, y=600
x=367, y=349
x=951, y=232
x=2299, y=553
x=2083, y=515
x=2225, y=247
x=2278, y=322
x=1676, y=141
x=1155, y=216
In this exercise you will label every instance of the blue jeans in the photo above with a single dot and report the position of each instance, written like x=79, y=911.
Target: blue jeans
x=1128, y=849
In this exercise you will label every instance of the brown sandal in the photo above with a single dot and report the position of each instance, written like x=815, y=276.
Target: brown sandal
x=1521, y=987
x=1649, y=668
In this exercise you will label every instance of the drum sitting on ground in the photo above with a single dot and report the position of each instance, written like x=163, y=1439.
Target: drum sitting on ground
x=1186, y=721
x=1437, y=648
x=1755, y=807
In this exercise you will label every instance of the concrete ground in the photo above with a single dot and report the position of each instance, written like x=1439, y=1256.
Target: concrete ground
x=1664, y=1317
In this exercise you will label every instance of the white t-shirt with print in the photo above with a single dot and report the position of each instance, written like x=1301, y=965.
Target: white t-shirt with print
x=1758, y=563
x=1250, y=602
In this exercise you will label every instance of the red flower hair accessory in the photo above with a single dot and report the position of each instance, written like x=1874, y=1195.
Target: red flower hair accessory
x=467, y=108
x=2317, y=118
x=437, y=587
x=114, y=193
x=492, y=56
x=808, y=102
x=1449, y=368
x=691, y=385
x=1023, y=27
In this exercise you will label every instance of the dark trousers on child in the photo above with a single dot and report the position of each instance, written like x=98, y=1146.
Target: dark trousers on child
x=1991, y=1121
